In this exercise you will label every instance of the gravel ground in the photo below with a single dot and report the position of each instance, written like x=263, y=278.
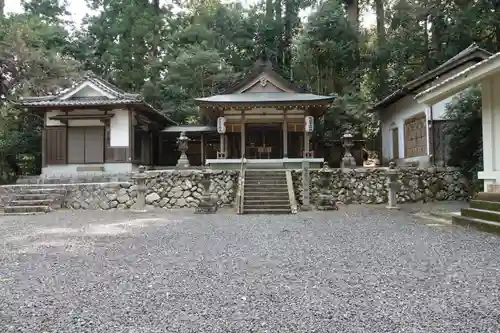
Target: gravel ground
x=360, y=269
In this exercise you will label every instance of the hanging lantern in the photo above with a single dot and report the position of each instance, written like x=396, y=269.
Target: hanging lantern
x=221, y=125
x=309, y=124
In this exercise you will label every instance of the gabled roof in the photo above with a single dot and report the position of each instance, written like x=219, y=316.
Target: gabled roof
x=265, y=98
x=109, y=95
x=473, y=53
x=262, y=66
x=461, y=80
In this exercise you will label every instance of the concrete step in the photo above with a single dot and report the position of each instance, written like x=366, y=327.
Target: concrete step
x=480, y=224
x=42, y=202
x=250, y=193
x=266, y=211
x=265, y=186
x=256, y=176
x=482, y=214
x=267, y=201
x=269, y=207
x=488, y=196
x=265, y=182
x=26, y=209
x=486, y=205
x=43, y=190
x=37, y=196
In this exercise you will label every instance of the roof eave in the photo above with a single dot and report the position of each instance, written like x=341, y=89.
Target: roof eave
x=417, y=83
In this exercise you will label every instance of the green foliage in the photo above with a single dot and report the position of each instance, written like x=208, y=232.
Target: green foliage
x=464, y=132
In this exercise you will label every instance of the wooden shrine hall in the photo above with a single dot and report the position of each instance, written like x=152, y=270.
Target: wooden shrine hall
x=265, y=120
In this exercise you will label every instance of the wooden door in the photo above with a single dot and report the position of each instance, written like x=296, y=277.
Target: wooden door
x=395, y=143
x=94, y=145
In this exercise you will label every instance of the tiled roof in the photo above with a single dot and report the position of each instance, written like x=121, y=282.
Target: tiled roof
x=471, y=53
x=120, y=97
x=265, y=97
x=460, y=74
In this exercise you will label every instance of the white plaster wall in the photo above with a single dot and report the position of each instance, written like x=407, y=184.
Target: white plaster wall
x=71, y=169
x=119, y=129
x=393, y=117
x=396, y=114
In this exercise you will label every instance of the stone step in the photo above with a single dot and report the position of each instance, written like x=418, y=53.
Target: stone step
x=266, y=194
x=480, y=224
x=265, y=186
x=265, y=182
x=267, y=201
x=482, y=214
x=42, y=202
x=488, y=196
x=37, y=196
x=26, y=209
x=266, y=211
x=43, y=190
x=265, y=178
x=486, y=205
x=266, y=206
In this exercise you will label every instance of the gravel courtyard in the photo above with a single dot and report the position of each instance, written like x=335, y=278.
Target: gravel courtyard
x=360, y=269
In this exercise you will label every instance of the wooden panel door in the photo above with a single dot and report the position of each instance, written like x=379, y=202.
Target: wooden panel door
x=94, y=145
x=55, y=145
x=395, y=143
x=76, y=145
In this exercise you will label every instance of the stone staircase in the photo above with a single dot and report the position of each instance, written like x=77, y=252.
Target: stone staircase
x=34, y=200
x=266, y=192
x=483, y=213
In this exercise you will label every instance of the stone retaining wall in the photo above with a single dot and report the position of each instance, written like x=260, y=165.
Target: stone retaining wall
x=179, y=189
x=165, y=189
x=369, y=185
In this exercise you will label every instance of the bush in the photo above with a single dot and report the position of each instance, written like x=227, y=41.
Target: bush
x=464, y=133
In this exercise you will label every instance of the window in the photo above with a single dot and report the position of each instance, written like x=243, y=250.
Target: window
x=415, y=136
x=86, y=144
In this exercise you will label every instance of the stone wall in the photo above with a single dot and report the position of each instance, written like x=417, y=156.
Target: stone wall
x=165, y=189
x=369, y=185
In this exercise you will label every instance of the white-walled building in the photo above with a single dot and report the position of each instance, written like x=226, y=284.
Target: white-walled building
x=487, y=74
x=413, y=132
x=96, y=127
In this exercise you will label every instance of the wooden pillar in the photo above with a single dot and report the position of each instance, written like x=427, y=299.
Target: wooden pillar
x=285, y=135
x=202, y=149
x=221, y=142
x=226, y=145
x=242, y=133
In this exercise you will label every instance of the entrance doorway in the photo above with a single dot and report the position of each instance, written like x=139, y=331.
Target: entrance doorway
x=264, y=141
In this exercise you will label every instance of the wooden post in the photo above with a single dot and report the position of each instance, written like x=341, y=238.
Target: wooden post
x=242, y=133
x=285, y=134
x=202, y=150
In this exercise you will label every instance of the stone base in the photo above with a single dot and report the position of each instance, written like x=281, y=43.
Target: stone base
x=204, y=208
x=393, y=207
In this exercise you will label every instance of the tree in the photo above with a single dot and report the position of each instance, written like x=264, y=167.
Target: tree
x=464, y=133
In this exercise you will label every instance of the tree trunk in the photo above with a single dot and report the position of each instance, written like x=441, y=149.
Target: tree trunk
x=496, y=6
x=353, y=16
x=2, y=7
x=382, y=49
x=280, y=50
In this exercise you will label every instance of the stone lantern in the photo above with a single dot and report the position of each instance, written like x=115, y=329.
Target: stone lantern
x=182, y=144
x=326, y=199
x=140, y=181
x=348, y=160
x=393, y=186
x=206, y=205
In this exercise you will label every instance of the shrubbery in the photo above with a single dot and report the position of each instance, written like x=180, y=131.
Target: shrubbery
x=464, y=133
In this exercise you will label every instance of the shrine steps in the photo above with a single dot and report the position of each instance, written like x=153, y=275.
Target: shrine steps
x=34, y=200
x=266, y=192
x=483, y=213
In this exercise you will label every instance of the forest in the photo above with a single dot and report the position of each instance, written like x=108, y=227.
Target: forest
x=172, y=53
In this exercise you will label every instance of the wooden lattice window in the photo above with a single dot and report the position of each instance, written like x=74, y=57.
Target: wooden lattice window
x=415, y=136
